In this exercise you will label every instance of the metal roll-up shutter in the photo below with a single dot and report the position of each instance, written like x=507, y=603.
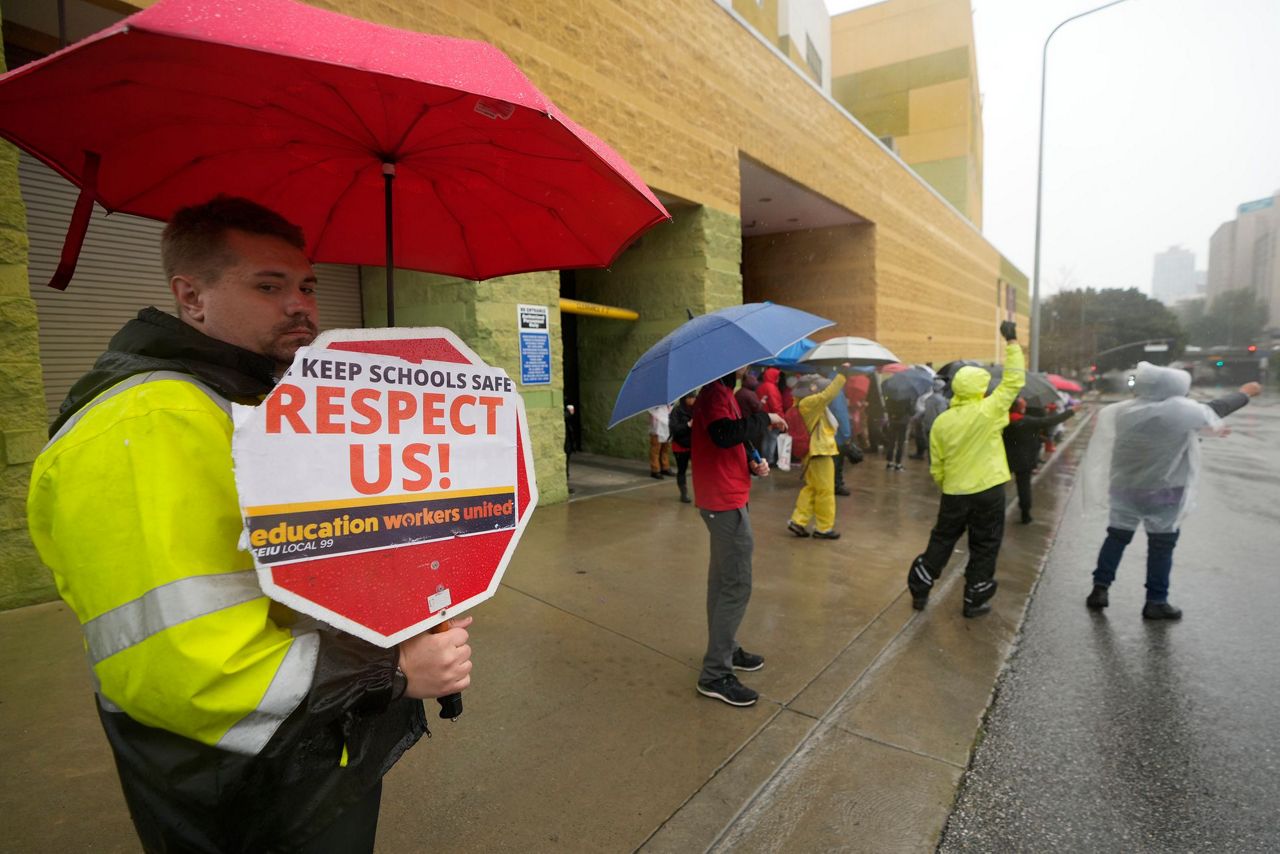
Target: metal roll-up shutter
x=119, y=272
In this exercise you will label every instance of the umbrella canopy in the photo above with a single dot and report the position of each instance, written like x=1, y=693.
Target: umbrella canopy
x=856, y=387
x=908, y=384
x=790, y=357
x=707, y=348
x=893, y=368
x=1037, y=391
x=855, y=351
x=948, y=370
x=1061, y=383
x=318, y=116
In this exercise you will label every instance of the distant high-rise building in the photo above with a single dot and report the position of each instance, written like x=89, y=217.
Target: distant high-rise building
x=1175, y=275
x=1245, y=253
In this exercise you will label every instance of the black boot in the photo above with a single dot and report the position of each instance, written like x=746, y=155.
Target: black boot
x=1160, y=611
x=919, y=582
x=977, y=598
x=684, y=494
x=1098, y=599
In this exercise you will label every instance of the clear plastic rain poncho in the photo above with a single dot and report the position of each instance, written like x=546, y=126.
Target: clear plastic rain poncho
x=1144, y=457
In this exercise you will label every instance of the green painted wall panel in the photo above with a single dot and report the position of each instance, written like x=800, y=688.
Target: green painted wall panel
x=949, y=177
x=483, y=314
x=23, y=578
x=913, y=73
x=692, y=262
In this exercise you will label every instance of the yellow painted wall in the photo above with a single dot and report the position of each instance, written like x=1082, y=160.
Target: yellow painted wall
x=907, y=69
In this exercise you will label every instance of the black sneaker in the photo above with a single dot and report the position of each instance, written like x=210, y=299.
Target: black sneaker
x=743, y=660
x=1026, y=518
x=919, y=582
x=656, y=475
x=833, y=534
x=1098, y=599
x=977, y=598
x=1160, y=611
x=842, y=490
x=796, y=529
x=729, y=690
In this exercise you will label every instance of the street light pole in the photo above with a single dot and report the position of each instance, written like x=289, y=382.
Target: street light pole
x=1035, y=286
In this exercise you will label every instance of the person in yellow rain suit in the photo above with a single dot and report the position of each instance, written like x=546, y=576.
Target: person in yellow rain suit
x=817, y=499
x=967, y=461
x=237, y=725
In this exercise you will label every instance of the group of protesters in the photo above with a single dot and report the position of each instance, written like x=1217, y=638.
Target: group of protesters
x=975, y=439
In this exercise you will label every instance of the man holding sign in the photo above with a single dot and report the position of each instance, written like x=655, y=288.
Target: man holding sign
x=236, y=724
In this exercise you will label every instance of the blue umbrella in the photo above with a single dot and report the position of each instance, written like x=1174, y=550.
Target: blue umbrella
x=789, y=357
x=708, y=347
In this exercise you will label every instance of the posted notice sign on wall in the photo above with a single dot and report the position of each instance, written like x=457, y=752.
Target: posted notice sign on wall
x=535, y=344
x=369, y=484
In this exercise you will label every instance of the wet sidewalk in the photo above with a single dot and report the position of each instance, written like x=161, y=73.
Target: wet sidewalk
x=583, y=731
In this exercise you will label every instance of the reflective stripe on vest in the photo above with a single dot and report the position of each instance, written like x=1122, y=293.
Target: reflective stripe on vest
x=193, y=597
x=165, y=607
x=287, y=689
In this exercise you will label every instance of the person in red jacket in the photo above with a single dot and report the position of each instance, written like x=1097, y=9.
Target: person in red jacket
x=771, y=399
x=722, y=470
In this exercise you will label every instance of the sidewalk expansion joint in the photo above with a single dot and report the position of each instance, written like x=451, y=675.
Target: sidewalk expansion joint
x=890, y=744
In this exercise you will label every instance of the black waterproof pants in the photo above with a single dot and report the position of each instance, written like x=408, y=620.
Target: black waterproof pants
x=1023, y=479
x=982, y=515
x=897, y=442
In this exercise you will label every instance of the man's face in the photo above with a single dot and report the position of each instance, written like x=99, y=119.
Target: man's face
x=264, y=301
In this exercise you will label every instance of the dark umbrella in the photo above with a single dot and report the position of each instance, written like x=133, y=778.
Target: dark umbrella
x=709, y=347
x=907, y=385
x=317, y=115
x=948, y=371
x=1037, y=391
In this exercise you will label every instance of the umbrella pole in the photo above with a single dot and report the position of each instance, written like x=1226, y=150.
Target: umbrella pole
x=388, y=175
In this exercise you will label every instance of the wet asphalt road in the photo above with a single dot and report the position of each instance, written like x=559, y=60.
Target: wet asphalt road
x=1113, y=734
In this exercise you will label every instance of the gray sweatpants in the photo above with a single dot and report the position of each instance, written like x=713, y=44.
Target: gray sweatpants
x=728, y=587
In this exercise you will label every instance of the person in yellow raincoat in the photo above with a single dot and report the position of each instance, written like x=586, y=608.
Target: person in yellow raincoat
x=817, y=500
x=967, y=461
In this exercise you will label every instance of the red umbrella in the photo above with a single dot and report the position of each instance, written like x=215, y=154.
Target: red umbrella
x=893, y=368
x=317, y=116
x=1063, y=384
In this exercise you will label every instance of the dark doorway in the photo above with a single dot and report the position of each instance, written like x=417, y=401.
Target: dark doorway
x=569, y=341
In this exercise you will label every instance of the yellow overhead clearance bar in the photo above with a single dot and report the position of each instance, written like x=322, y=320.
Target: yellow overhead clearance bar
x=591, y=309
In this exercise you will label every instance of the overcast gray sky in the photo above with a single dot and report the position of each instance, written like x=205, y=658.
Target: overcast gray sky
x=1163, y=116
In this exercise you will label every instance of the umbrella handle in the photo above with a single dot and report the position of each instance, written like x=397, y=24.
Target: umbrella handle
x=450, y=704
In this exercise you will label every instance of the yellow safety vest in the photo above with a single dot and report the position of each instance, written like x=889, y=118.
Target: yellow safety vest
x=966, y=444
x=133, y=506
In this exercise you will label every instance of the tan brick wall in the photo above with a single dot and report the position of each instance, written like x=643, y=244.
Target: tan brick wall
x=838, y=280
x=681, y=88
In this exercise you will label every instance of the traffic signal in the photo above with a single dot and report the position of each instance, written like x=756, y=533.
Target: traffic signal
x=1253, y=348
x=1219, y=363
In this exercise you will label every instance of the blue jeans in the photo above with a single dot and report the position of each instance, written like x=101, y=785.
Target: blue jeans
x=1159, y=560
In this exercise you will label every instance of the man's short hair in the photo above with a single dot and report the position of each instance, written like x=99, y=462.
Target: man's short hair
x=195, y=241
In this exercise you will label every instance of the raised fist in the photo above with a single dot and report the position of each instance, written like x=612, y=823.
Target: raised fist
x=1009, y=330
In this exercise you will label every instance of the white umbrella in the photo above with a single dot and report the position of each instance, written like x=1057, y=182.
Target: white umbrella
x=855, y=351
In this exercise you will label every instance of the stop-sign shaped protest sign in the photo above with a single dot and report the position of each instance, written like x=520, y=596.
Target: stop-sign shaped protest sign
x=385, y=481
